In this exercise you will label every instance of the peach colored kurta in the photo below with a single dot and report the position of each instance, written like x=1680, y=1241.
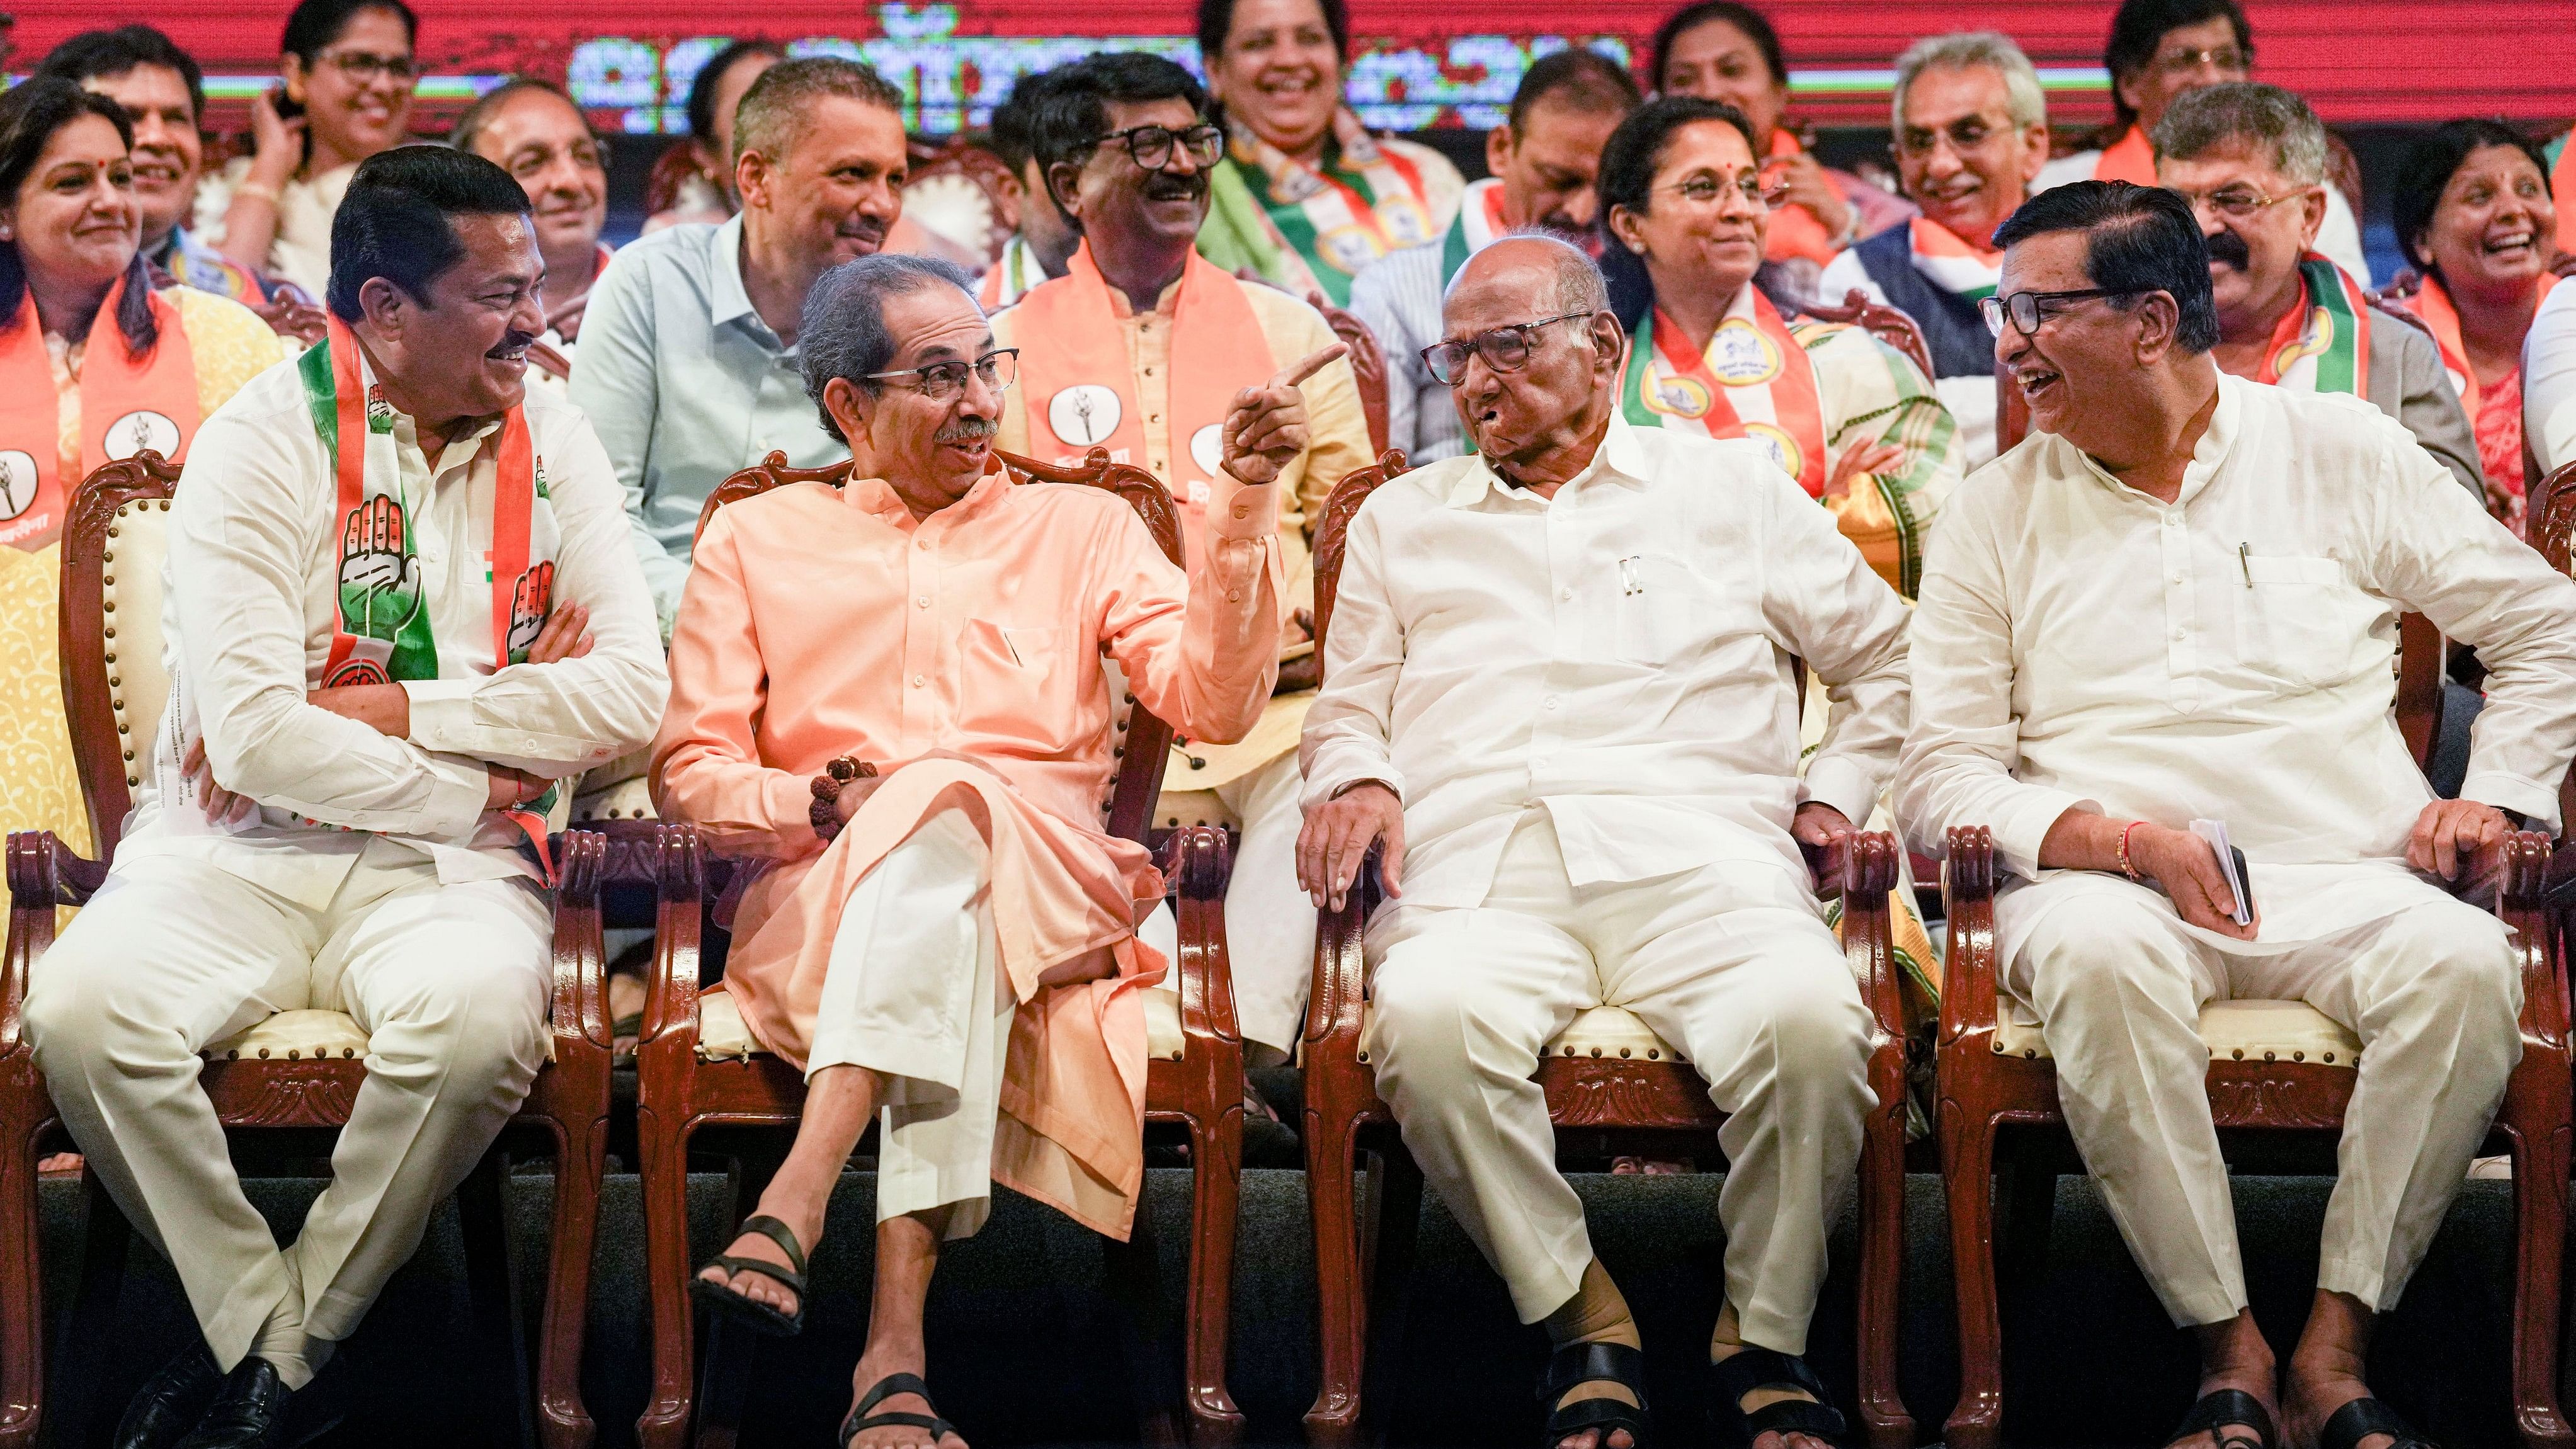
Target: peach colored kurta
x=962, y=654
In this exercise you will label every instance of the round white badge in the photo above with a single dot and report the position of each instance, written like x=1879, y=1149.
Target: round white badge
x=141, y=429
x=17, y=482
x=1741, y=356
x=1084, y=414
x=1207, y=448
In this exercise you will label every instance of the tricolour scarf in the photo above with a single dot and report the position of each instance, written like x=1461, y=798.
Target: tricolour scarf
x=1951, y=263
x=1079, y=385
x=1334, y=222
x=380, y=628
x=2323, y=343
x=127, y=404
x=1480, y=221
x=1754, y=381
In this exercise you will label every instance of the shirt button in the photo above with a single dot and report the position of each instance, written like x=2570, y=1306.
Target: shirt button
x=923, y=601
x=918, y=681
x=2178, y=636
x=2176, y=579
x=1551, y=701
x=923, y=544
x=1565, y=593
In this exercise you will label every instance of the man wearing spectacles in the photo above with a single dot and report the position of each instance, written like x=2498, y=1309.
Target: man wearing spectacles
x=2159, y=52
x=2177, y=602
x=1544, y=159
x=1556, y=697
x=1140, y=348
x=894, y=689
x=2251, y=159
x=1971, y=133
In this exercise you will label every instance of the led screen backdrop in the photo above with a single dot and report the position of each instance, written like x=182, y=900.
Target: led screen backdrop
x=1419, y=65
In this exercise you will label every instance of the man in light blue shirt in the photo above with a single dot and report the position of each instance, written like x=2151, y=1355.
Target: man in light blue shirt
x=688, y=365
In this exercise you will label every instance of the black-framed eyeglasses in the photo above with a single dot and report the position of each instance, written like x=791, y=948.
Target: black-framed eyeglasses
x=2026, y=310
x=941, y=381
x=363, y=66
x=1505, y=349
x=1152, y=146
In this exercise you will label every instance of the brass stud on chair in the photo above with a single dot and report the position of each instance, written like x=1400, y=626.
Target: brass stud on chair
x=1596, y=1051
x=1623, y=1051
x=263, y=1054
x=2238, y=1054
x=1653, y=1055
x=2298, y=1056
x=2330, y=1058
x=2267, y=1056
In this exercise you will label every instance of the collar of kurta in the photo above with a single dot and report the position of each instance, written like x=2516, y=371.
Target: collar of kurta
x=2206, y=457
x=877, y=496
x=1620, y=453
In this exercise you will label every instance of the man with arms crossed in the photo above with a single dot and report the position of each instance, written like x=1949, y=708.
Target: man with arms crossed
x=1557, y=689
x=342, y=812
x=2178, y=600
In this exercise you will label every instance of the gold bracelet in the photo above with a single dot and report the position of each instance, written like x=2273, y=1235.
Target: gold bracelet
x=259, y=189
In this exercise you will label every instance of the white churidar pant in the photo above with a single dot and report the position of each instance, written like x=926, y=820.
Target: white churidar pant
x=2117, y=982
x=913, y=991
x=1731, y=963
x=449, y=981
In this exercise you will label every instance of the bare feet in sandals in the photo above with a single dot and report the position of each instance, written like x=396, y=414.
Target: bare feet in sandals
x=755, y=1285
x=870, y=1376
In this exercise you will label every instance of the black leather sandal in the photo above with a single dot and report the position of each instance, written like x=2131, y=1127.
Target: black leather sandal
x=2364, y=1417
x=1750, y=1368
x=2227, y=1406
x=760, y=1317
x=860, y=1420
x=1582, y=1363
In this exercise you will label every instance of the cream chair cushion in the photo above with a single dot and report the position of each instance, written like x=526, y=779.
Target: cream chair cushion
x=2244, y=1031
x=305, y=1035
x=138, y=683
x=628, y=799
x=722, y=1036
x=1607, y=1032
x=1176, y=808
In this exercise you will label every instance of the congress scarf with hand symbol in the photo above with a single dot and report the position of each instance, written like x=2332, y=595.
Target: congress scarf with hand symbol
x=381, y=630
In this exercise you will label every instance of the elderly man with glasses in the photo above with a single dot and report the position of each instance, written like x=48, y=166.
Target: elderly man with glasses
x=2251, y=159
x=2175, y=603
x=1140, y=348
x=893, y=689
x=1557, y=694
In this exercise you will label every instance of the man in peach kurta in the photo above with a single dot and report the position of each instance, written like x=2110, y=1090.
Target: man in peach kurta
x=950, y=941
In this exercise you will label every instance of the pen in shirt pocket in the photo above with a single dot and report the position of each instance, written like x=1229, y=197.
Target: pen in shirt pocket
x=1629, y=582
x=2245, y=561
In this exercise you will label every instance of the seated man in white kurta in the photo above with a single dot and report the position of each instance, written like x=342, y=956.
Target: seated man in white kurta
x=401, y=599
x=1557, y=690
x=2176, y=600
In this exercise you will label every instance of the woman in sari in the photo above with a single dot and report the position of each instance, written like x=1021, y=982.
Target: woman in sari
x=1305, y=196
x=2474, y=217
x=1687, y=211
x=95, y=365
x=1722, y=51
x=347, y=72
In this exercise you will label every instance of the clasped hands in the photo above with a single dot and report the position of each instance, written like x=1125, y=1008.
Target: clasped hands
x=386, y=709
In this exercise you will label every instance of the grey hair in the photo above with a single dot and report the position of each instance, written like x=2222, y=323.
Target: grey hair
x=2246, y=111
x=1961, y=49
x=775, y=110
x=842, y=333
x=470, y=123
x=1579, y=284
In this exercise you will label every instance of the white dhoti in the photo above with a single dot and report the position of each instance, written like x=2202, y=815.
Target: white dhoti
x=913, y=993
x=2117, y=981
x=450, y=982
x=1731, y=963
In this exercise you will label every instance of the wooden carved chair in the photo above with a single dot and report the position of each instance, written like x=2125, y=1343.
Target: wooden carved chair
x=2552, y=530
x=1609, y=1081
x=2273, y=1065
x=1890, y=325
x=964, y=192
x=298, y=1069
x=699, y=1066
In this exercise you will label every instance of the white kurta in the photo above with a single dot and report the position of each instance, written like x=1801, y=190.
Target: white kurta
x=2228, y=655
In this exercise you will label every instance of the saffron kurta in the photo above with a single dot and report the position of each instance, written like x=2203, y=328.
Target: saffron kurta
x=962, y=654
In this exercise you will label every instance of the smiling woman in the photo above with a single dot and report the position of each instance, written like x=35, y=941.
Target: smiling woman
x=1306, y=196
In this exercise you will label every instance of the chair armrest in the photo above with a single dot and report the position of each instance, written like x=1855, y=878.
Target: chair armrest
x=43, y=873
x=2512, y=878
x=581, y=953
x=1968, y=968
x=680, y=893
x=1867, y=859
x=1338, y=996
x=1199, y=863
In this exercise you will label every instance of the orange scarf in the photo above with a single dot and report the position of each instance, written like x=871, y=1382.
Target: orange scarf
x=1754, y=381
x=2131, y=158
x=1795, y=231
x=1078, y=382
x=2432, y=302
x=127, y=404
x=2562, y=189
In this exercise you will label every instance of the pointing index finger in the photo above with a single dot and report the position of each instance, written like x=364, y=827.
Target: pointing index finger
x=1315, y=362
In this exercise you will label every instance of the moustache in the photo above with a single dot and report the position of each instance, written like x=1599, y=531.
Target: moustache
x=1164, y=186
x=2229, y=248
x=513, y=342
x=967, y=430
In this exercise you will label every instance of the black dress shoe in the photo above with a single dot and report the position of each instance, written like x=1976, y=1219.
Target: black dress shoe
x=171, y=1401
x=250, y=1412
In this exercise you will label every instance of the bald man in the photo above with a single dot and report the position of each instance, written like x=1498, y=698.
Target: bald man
x=1554, y=691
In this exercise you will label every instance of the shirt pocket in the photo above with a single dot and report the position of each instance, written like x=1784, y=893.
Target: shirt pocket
x=1015, y=684
x=1657, y=610
x=2300, y=620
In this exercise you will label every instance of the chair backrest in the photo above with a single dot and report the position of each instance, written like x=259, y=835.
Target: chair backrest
x=2552, y=530
x=1891, y=325
x=964, y=192
x=115, y=684
x=1129, y=810
x=1333, y=531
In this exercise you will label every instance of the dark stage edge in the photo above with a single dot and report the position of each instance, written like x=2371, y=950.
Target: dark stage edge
x=1025, y=1344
